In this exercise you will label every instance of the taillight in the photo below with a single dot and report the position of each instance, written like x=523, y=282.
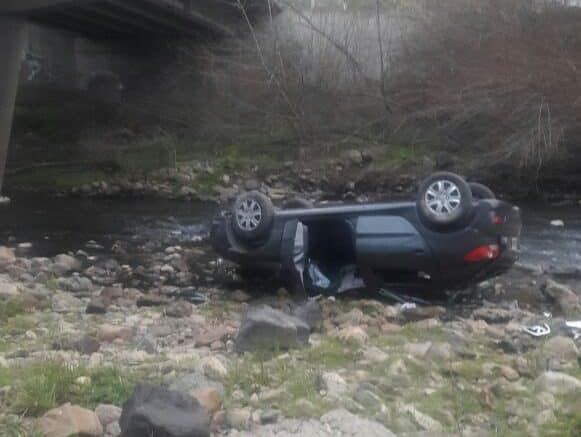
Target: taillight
x=497, y=219
x=483, y=253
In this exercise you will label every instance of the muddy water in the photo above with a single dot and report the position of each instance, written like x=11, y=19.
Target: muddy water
x=59, y=225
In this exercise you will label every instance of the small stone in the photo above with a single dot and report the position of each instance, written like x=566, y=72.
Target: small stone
x=354, y=335
x=109, y=333
x=239, y=296
x=334, y=384
x=418, y=350
x=209, y=398
x=420, y=313
x=6, y=256
x=213, y=368
x=97, y=305
x=108, y=414
x=309, y=312
x=509, y=373
x=239, y=418
x=75, y=284
x=179, y=309
x=440, y=352
x=68, y=420
x=269, y=416
x=151, y=300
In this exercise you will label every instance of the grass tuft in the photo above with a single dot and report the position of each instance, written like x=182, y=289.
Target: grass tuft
x=43, y=385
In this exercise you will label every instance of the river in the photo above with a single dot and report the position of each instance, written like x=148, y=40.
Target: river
x=60, y=225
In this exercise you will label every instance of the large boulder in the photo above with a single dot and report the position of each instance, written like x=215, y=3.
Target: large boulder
x=267, y=328
x=158, y=411
x=70, y=420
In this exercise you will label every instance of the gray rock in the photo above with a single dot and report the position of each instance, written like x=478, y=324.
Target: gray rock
x=339, y=422
x=147, y=343
x=113, y=430
x=158, y=411
x=558, y=383
x=421, y=313
x=64, y=302
x=561, y=348
x=85, y=345
x=567, y=301
x=269, y=416
x=97, y=305
x=75, y=284
x=309, y=312
x=179, y=309
x=267, y=328
x=195, y=381
x=108, y=414
x=492, y=315
x=6, y=256
x=239, y=418
x=64, y=264
x=8, y=288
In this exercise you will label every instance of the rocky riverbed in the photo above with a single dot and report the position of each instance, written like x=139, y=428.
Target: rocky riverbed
x=157, y=333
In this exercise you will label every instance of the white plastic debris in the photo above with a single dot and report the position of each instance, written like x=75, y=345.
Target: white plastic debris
x=558, y=223
x=537, y=330
x=408, y=306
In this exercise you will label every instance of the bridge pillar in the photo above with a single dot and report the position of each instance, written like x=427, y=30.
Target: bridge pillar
x=12, y=45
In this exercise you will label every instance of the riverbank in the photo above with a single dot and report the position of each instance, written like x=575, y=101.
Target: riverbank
x=350, y=174
x=151, y=303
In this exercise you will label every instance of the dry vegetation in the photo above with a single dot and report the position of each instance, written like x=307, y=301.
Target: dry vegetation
x=494, y=83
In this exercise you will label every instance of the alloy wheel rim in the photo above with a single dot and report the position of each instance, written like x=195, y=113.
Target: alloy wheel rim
x=248, y=214
x=443, y=198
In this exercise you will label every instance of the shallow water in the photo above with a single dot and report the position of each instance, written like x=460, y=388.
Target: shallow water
x=59, y=225
x=55, y=226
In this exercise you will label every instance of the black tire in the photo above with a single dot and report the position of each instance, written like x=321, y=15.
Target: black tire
x=252, y=216
x=297, y=203
x=444, y=199
x=480, y=191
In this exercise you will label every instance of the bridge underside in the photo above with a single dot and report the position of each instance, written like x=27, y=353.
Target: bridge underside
x=110, y=20
x=136, y=18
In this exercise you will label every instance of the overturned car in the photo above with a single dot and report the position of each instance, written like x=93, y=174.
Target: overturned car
x=453, y=235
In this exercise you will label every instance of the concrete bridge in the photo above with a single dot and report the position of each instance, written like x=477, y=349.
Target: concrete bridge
x=108, y=21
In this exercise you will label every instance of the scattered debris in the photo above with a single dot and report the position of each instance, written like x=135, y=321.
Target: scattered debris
x=538, y=330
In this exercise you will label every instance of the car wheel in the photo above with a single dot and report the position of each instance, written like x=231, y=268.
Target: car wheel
x=444, y=199
x=480, y=191
x=252, y=215
x=297, y=203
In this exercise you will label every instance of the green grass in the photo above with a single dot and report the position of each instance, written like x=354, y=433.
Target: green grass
x=10, y=308
x=18, y=324
x=298, y=373
x=331, y=353
x=15, y=427
x=56, y=177
x=43, y=385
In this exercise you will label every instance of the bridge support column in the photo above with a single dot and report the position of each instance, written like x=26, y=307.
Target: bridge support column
x=12, y=44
